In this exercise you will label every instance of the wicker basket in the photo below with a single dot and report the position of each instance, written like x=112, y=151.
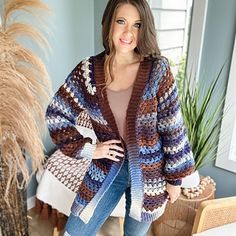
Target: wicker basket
x=179, y=217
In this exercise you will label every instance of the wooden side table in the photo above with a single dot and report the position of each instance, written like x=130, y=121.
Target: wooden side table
x=179, y=217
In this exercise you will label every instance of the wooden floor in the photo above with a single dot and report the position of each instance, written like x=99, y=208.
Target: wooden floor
x=39, y=227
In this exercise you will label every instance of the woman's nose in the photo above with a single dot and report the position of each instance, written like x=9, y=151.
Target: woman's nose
x=128, y=30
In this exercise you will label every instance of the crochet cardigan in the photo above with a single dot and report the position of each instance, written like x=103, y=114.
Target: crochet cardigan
x=157, y=145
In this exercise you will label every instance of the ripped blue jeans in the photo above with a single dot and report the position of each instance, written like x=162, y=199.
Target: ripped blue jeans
x=76, y=227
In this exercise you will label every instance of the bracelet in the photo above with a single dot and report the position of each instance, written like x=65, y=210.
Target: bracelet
x=198, y=190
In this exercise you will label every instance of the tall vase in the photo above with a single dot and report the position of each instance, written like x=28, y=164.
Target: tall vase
x=14, y=218
x=192, y=180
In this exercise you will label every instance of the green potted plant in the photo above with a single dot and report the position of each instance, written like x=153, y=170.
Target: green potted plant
x=201, y=108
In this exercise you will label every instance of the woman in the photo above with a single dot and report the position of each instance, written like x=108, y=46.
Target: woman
x=142, y=149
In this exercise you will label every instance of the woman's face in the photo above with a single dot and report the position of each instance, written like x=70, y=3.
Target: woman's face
x=126, y=28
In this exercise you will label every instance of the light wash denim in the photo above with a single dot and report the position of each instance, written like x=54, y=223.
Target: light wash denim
x=76, y=227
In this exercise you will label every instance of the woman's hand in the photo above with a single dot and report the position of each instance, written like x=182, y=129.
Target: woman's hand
x=108, y=150
x=173, y=191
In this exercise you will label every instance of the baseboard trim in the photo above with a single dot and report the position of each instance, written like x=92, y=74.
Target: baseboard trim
x=31, y=202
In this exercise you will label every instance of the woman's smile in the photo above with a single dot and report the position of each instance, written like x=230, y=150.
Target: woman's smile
x=125, y=41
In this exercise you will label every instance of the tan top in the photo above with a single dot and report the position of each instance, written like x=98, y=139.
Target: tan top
x=118, y=101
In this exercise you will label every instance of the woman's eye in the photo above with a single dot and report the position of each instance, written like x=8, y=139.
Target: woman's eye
x=121, y=22
x=137, y=25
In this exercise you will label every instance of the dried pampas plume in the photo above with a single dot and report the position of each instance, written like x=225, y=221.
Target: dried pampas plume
x=24, y=91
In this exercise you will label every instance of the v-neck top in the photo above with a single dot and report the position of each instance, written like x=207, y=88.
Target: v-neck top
x=118, y=101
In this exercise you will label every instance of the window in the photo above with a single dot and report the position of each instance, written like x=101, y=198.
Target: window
x=176, y=37
x=226, y=155
x=172, y=20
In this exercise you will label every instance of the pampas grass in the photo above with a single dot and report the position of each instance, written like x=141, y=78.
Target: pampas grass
x=24, y=92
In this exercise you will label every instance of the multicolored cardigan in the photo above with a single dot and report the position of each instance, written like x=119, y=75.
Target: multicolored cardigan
x=157, y=144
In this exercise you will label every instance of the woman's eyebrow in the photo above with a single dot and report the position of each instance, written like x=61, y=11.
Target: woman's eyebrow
x=121, y=17
x=125, y=18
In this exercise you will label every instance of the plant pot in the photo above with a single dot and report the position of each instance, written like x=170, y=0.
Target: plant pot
x=14, y=218
x=192, y=180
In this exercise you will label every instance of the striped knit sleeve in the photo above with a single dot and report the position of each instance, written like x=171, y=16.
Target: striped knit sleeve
x=66, y=105
x=179, y=161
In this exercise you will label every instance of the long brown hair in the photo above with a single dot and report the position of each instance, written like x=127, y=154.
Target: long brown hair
x=147, y=43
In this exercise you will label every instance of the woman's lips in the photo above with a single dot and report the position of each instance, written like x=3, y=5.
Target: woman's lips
x=126, y=42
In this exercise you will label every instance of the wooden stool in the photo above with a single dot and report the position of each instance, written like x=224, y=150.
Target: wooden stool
x=121, y=222
x=56, y=232
x=179, y=217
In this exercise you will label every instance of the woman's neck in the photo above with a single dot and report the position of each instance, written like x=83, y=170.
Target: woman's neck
x=124, y=59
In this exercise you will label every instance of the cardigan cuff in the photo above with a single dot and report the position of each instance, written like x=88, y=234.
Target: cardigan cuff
x=174, y=182
x=88, y=150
